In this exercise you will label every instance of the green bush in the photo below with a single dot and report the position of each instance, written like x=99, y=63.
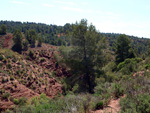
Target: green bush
x=11, y=99
x=42, y=59
x=54, y=73
x=5, y=60
x=5, y=96
x=1, y=57
x=16, y=101
x=22, y=100
x=138, y=104
x=102, y=88
x=11, y=78
x=4, y=80
x=1, y=64
x=118, y=90
x=31, y=54
x=99, y=105
x=9, y=66
x=2, y=91
x=68, y=104
x=129, y=65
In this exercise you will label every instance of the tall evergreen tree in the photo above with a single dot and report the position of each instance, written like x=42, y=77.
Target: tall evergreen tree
x=25, y=45
x=17, y=41
x=3, y=29
x=31, y=36
x=123, y=49
x=40, y=42
x=85, y=56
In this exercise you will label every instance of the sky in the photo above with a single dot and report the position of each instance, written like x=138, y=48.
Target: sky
x=131, y=17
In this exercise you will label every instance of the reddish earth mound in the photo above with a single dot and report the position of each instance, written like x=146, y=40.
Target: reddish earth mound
x=14, y=89
x=6, y=40
x=45, y=57
x=28, y=76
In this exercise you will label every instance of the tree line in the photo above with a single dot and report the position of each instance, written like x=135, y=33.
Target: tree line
x=48, y=33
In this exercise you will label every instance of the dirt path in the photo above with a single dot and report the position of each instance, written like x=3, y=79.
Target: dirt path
x=113, y=107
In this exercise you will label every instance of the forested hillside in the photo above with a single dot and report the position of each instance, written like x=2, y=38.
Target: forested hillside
x=72, y=69
x=56, y=35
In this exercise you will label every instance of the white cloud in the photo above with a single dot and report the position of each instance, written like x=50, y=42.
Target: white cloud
x=17, y=2
x=48, y=5
x=65, y=2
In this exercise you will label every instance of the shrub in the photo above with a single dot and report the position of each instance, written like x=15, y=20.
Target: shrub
x=1, y=57
x=42, y=59
x=138, y=104
x=22, y=100
x=129, y=65
x=4, y=80
x=54, y=73
x=5, y=60
x=99, y=105
x=2, y=91
x=16, y=101
x=31, y=54
x=11, y=78
x=68, y=104
x=5, y=96
x=1, y=64
x=11, y=99
x=118, y=90
x=9, y=66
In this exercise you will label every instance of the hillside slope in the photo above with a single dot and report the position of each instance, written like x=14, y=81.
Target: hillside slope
x=28, y=74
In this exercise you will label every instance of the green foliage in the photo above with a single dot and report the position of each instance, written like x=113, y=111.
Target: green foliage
x=3, y=29
x=17, y=41
x=42, y=60
x=129, y=65
x=118, y=90
x=2, y=91
x=33, y=40
x=123, y=49
x=85, y=56
x=102, y=88
x=140, y=103
x=40, y=42
x=99, y=105
x=16, y=101
x=11, y=78
x=1, y=57
x=5, y=60
x=31, y=54
x=67, y=104
x=5, y=96
x=31, y=36
x=9, y=66
x=4, y=80
x=25, y=45
x=22, y=101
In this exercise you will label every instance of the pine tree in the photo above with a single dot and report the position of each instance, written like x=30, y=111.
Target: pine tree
x=85, y=56
x=3, y=29
x=17, y=41
x=123, y=49
x=40, y=42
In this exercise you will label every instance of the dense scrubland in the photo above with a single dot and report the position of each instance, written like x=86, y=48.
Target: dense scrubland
x=72, y=69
